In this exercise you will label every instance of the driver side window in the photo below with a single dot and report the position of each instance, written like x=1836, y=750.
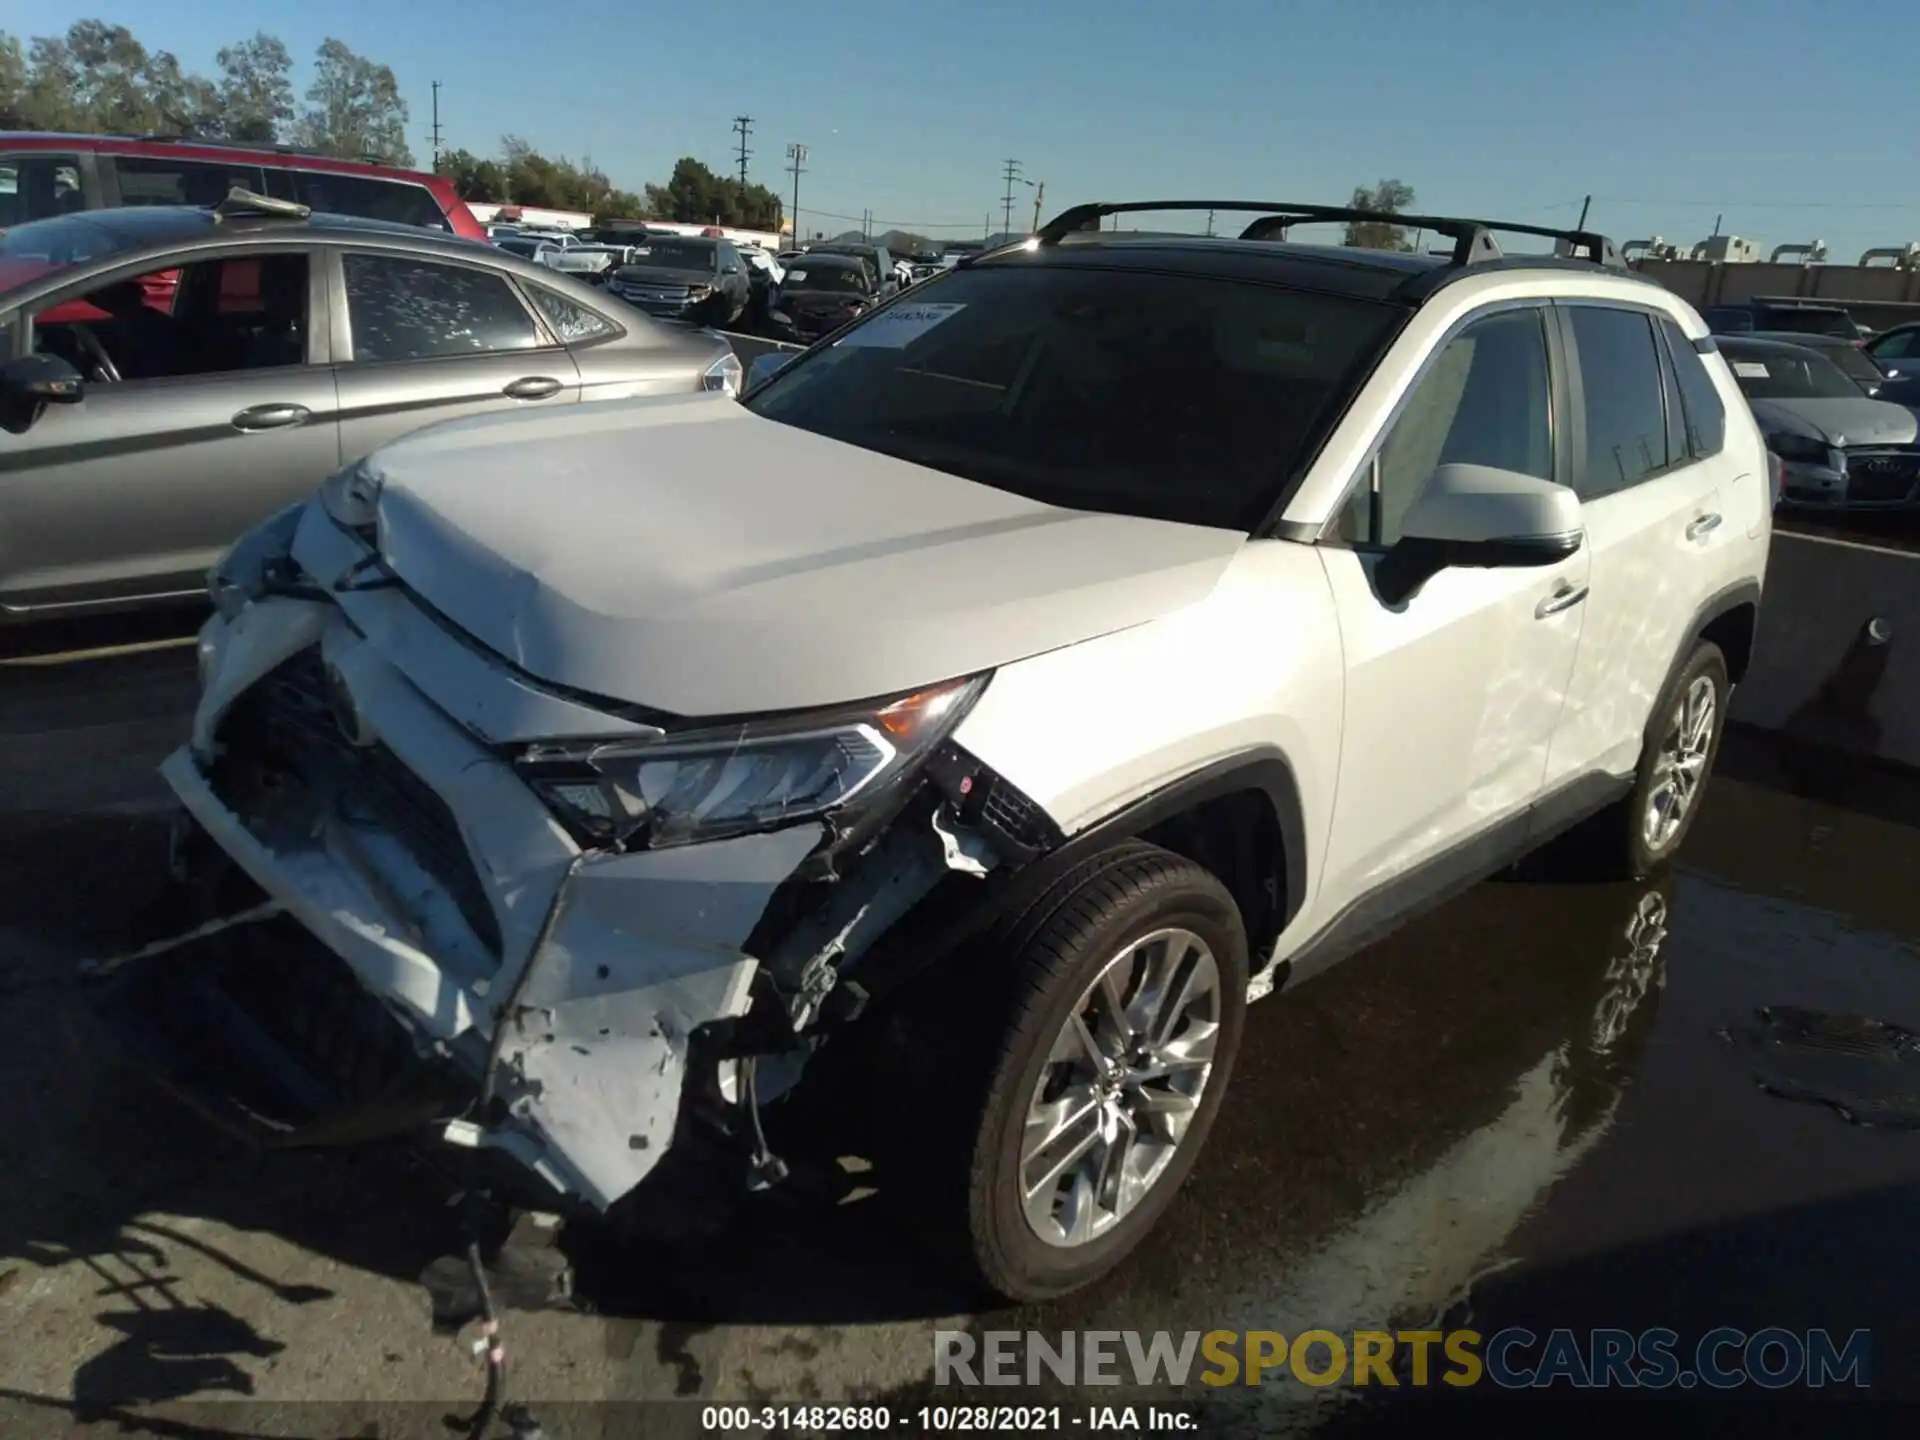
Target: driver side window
x=248, y=312
x=1484, y=400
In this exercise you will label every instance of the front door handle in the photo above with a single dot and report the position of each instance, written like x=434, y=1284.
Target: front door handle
x=1564, y=597
x=533, y=387
x=1703, y=527
x=271, y=417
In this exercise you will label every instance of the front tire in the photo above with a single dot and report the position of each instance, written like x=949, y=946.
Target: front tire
x=1646, y=829
x=1127, y=1003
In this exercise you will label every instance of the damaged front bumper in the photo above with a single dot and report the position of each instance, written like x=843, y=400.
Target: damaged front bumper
x=571, y=986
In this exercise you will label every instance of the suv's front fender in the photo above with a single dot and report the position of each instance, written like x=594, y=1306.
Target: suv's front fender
x=1117, y=734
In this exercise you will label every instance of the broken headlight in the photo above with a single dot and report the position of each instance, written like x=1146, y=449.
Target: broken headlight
x=712, y=783
x=240, y=576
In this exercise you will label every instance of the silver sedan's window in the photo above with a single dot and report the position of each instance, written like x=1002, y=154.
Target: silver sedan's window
x=406, y=309
x=573, y=323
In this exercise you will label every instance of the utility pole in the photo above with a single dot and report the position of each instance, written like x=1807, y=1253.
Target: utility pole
x=1584, y=204
x=1039, y=194
x=743, y=124
x=796, y=158
x=436, y=127
x=1209, y=222
x=1006, y=218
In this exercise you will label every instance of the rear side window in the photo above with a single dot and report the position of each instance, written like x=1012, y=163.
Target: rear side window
x=571, y=321
x=403, y=309
x=34, y=187
x=1625, y=411
x=399, y=201
x=153, y=181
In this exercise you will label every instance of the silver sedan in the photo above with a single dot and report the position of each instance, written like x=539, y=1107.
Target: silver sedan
x=169, y=376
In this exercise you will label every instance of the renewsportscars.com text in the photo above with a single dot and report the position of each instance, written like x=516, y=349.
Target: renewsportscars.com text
x=1515, y=1358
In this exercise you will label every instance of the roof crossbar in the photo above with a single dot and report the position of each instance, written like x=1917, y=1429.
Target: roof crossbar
x=1473, y=242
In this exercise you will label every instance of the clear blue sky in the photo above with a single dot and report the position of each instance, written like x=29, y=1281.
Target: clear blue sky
x=1665, y=112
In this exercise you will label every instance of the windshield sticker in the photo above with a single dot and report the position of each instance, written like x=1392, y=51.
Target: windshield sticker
x=1749, y=369
x=901, y=326
x=796, y=276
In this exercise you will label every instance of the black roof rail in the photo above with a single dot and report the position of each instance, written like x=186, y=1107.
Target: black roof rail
x=1473, y=242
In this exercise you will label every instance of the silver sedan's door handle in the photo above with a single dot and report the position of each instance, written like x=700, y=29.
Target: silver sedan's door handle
x=1564, y=597
x=1703, y=527
x=271, y=417
x=533, y=387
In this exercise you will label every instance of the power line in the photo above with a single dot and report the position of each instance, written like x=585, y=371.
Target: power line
x=1012, y=174
x=744, y=125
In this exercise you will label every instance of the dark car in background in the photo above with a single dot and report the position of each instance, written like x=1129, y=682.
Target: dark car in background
x=140, y=436
x=43, y=175
x=1896, y=350
x=1841, y=449
x=877, y=258
x=820, y=293
x=685, y=277
x=1797, y=317
x=1855, y=363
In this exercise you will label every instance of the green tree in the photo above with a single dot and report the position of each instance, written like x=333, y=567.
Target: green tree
x=354, y=108
x=13, y=82
x=475, y=178
x=1389, y=196
x=52, y=79
x=256, y=89
x=111, y=84
x=696, y=195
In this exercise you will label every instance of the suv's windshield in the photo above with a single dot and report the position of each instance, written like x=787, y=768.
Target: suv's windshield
x=666, y=255
x=1806, y=320
x=806, y=274
x=1787, y=373
x=1171, y=397
x=526, y=245
x=32, y=250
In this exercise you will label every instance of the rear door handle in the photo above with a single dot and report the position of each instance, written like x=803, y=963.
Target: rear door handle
x=1564, y=597
x=271, y=417
x=1703, y=527
x=533, y=387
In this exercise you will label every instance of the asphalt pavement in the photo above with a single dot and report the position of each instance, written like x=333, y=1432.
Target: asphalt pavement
x=1540, y=1105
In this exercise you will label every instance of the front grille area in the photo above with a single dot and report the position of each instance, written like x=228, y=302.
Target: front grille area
x=1880, y=475
x=282, y=749
x=653, y=297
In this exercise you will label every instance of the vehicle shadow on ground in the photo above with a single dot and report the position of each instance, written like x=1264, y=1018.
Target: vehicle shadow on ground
x=1512, y=976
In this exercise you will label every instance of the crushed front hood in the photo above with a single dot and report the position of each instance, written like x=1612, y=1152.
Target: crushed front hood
x=683, y=554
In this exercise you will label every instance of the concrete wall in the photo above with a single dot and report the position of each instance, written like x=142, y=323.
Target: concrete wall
x=1879, y=295
x=1818, y=675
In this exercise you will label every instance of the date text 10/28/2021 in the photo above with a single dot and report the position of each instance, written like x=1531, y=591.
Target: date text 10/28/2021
x=977, y=1419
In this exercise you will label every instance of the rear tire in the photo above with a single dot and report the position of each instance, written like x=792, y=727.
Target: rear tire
x=1121, y=1002
x=1639, y=834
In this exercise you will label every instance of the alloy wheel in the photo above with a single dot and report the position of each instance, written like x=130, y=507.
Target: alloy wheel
x=1120, y=1087
x=1681, y=766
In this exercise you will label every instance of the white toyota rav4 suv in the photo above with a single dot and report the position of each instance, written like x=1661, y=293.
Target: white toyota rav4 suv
x=1114, y=631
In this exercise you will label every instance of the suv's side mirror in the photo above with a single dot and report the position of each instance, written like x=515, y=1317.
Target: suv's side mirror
x=1479, y=517
x=30, y=383
x=766, y=366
